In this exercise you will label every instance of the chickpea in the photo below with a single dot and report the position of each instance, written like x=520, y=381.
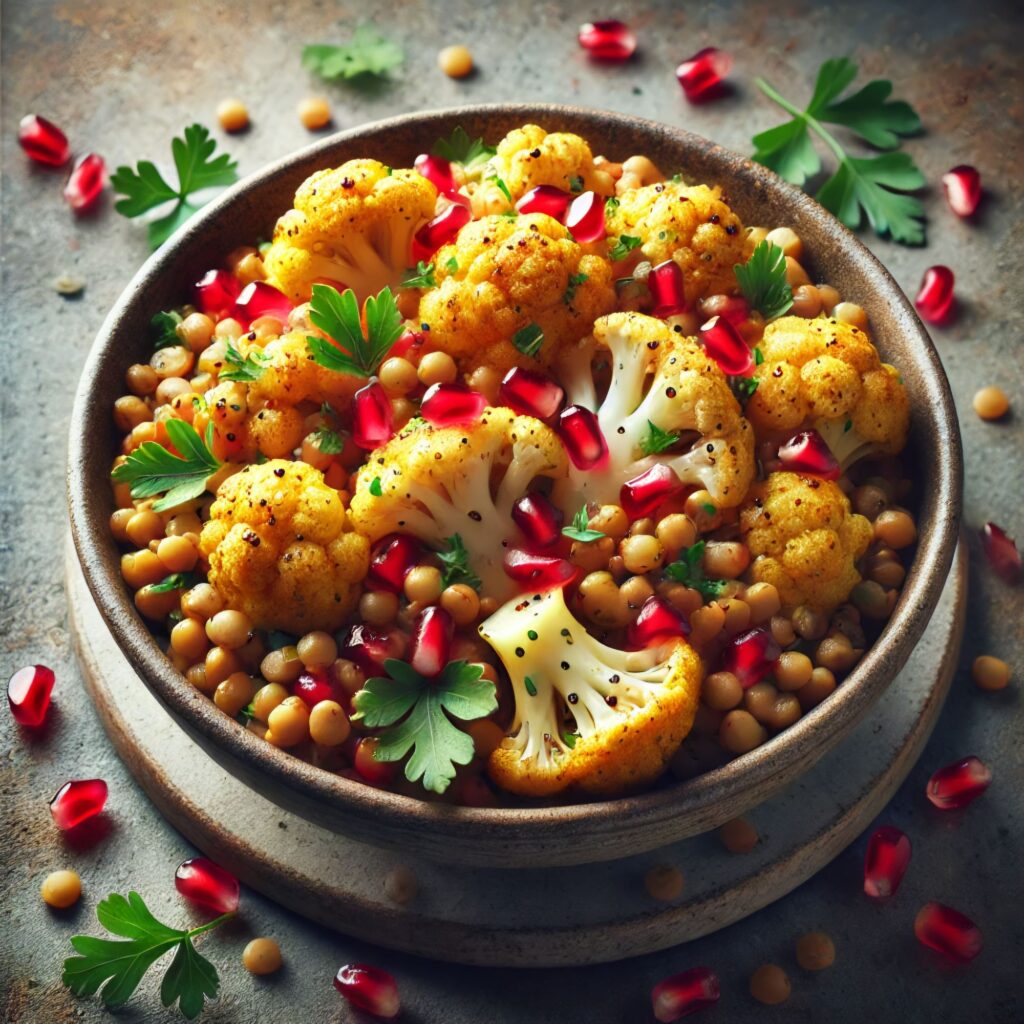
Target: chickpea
x=641, y=527
x=591, y=555
x=642, y=553
x=829, y=296
x=141, y=569
x=288, y=722
x=788, y=241
x=437, y=368
x=232, y=115
x=282, y=666
x=262, y=956
x=809, y=623
x=763, y=601
x=738, y=835
x=741, y=732
x=885, y=567
x=991, y=403
x=233, y=693
x=757, y=234
x=189, y=639
x=701, y=508
x=328, y=724
x=228, y=329
x=635, y=591
x=171, y=388
x=990, y=673
x=130, y=411
x=611, y=520
x=397, y=376
x=895, y=529
x=250, y=268
x=676, y=532
x=784, y=712
x=488, y=606
x=722, y=691
x=870, y=501
x=378, y=607
x=644, y=169
x=683, y=599
x=317, y=649
x=220, y=663
x=455, y=61
x=487, y=381
x=61, y=889
x=806, y=302
x=141, y=379
x=266, y=699
x=706, y=623
x=173, y=361
x=795, y=274
x=782, y=630
x=850, y=313
x=229, y=628
x=144, y=527
x=423, y=584
x=759, y=701
x=821, y=684
x=196, y=332
x=349, y=675
x=792, y=670
x=601, y=601
x=815, y=951
x=119, y=523
x=314, y=113
x=769, y=984
x=400, y=885
x=156, y=604
x=183, y=524
x=201, y=602
x=487, y=735
x=664, y=883
x=737, y=616
x=462, y=603
x=836, y=653
x=178, y=554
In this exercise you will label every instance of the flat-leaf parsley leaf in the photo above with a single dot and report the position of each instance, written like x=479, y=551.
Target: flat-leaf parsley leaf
x=529, y=339
x=689, y=570
x=579, y=529
x=247, y=369
x=455, y=561
x=458, y=148
x=420, y=276
x=657, y=440
x=762, y=280
x=367, y=53
x=623, y=246
x=337, y=315
x=166, y=327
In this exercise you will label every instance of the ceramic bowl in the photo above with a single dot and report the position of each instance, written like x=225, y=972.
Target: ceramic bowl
x=519, y=837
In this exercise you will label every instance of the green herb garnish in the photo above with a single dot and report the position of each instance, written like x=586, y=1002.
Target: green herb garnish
x=367, y=55
x=246, y=370
x=611, y=205
x=762, y=280
x=657, y=440
x=758, y=356
x=420, y=276
x=330, y=442
x=569, y=739
x=177, y=581
x=503, y=188
x=529, y=339
x=375, y=488
x=709, y=508
x=579, y=529
x=623, y=246
x=744, y=387
x=247, y=714
x=459, y=149
x=455, y=561
x=576, y=184
x=452, y=266
x=531, y=686
x=689, y=571
x=337, y=315
x=575, y=280
x=166, y=327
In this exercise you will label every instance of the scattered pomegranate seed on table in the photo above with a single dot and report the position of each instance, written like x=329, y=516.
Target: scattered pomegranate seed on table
x=958, y=784
x=78, y=801
x=1001, y=552
x=948, y=931
x=86, y=183
x=208, y=885
x=581, y=434
x=609, y=40
x=963, y=189
x=701, y=76
x=668, y=294
x=539, y=520
x=885, y=862
x=531, y=393
x=934, y=299
x=547, y=199
x=807, y=452
x=369, y=988
x=372, y=416
x=28, y=695
x=585, y=218
x=448, y=405
x=723, y=342
x=685, y=993
x=43, y=141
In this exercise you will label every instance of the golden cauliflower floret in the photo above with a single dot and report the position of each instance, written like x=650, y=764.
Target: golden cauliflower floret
x=509, y=274
x=291, y=376
x=351, y=226
x=280, y=548
x=690, y=224
x=805, y=540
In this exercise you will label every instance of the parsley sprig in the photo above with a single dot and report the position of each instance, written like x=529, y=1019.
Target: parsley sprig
x=762, y=280
x=143, y=187
x=579, y=530
x=860, y=185
x=246, y=369
x=414, y=713
x=656, y=439
x=455, y=562
x=177, y=581
x=529, y=339
x=623, y=246
x=420, y=276
x=458, y=148
x=351, y=350
x=689, y=570
x=165, y=324
x=366, y=56
x=575, y=280
x=119, y=965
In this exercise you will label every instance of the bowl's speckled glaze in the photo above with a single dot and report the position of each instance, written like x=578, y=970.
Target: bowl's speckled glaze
x=512, y=837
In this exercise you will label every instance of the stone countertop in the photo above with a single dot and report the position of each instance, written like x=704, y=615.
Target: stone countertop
x=122, y=80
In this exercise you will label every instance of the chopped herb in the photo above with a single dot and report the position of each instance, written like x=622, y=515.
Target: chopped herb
x=330, y=442
x=623, y=246
x=199, y=403
x=177, y=581
x=611, y=205
x=246, y=370
x=452, y=266
x=529, y=339
x=762, y=280
x=847, y=426
x=247, y=714
x=677, y=178
x=576, y=184
x=375, y=488
x=575, y=280
x=166, y=327
x=367, y=55
x=744, y=387
x=456, y=564
x=689, y=571
x=657, y=440
x=569, y=739
x=350, y=350
x=261, y=458
x=422, y=276
x=579, y=529
x=459, y=149
x=758, y=356
x=509, y=214
x=709, y=508
x=500, y=183
x=531, y=686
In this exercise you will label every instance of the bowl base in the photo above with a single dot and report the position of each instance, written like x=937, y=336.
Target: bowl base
x=543, y=917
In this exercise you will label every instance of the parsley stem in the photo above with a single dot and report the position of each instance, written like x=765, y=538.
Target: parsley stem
x=802, y=115
x=210, y=925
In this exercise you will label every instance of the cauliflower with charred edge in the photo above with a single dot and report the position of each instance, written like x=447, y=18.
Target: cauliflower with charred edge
x=436, y=482
x=691, y=224
x=500, y=276
x=352, y=227
x=659, y=377
x=588, y=716
x=827, y=374
x=281, y=550
x=804, y=539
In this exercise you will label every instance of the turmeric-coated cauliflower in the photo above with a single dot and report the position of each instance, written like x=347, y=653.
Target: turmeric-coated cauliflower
x=280, y=548
x=351, y=227
x=503, y=275
x=289, y=375
x=804, y=539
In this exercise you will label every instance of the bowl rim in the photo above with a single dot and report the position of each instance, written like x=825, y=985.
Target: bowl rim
x=784, y=752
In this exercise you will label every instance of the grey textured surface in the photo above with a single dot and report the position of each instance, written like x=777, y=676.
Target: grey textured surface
x=121, y=80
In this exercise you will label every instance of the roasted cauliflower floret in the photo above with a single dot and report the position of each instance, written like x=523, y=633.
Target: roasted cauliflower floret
x=290, y=375
x=280, y=548
x=436, y=482
x=690, y=224
x=828, y=375
x=804, y=539
x=351, y=227
x=502, y=275
x=587, y=716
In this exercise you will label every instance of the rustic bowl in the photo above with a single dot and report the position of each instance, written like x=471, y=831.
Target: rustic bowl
x=519, y=837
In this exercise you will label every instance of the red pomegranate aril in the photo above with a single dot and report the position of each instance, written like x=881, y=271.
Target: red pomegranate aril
x=43, y=141
x=531, y=393
x=685, y=993
x=668, y=293
x=958, y=784
x=750, y=656
x=547, y=199
x=261, y=299
x=372, y=416
x=313, y=687
x=726, y=346
x=701, y=76
x=538, y=572
x=885, y=862
x=733, y=308
x=609, y=40
x=407, y=342
x=963, y=189
x=28, y=695
x=78, y=801
x=208, y=885
x=644, y=493
x=807, y=452
x=448, y=405
x=86, y=183
x=585, y=218
x=935, y=297
x=437, y=171
x=369, y=988
x=540, y=521
x=657, y=621
x=1001, y=552
x=947, y=931
x=581, y=434
x=440, y=231
x=372, y=771
x=369, y=647
x=431, y=644
x=216, y=293
x=390, y=561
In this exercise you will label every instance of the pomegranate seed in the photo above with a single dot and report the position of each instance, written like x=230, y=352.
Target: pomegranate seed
x=807, y=452
x=963, y=189
x=86, y=184
x=408, y=341
x=261, y=299
x=216, y=292
x=547, y=199
x=668, y=294
x=372, y=423
x=644, y=493
x=585, y=217
x=372, y=771
x=440, y=231
x=609, y=40
x=685, y=993
x=935, y=297
x=43, y=141
x=437, y=171
x=28, y=694
x=530, y=393
x=885, y=862
x=726, y=346
x=539, y=520
x=448, y=405
x=958, y=784
x=701, y=76
x=207, y=884
x=948, y=931
x=733, y=308
x=313, y=687
x=369, y=647
x=368, y=988
x=392, y=558
x=657, y=621
x=538, y=572
x=431, y=643
x=1001, y=552
x=77, y=801
x=750, y=656
x=581, y=434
